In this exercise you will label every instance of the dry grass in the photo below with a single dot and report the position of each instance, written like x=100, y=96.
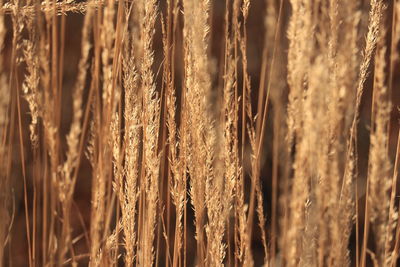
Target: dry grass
x=168, y=142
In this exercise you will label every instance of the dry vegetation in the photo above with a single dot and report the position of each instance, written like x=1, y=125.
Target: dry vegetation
x=170, y=144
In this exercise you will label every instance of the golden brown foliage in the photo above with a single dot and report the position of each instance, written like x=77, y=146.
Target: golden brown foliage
x=199, y=153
